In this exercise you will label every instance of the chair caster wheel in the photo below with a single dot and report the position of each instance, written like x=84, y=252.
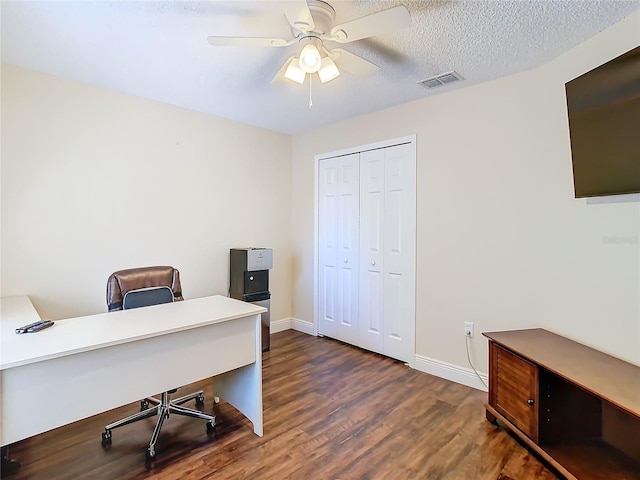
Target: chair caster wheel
x=106, y=438
x=210, y=426
x=200, y=401
x=149, y=455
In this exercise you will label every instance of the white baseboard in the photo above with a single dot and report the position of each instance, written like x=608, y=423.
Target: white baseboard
x=302, y=326
x=280, y=325
x=448, y=371
x=292, y=323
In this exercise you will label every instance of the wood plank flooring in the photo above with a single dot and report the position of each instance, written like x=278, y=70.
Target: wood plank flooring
x=331, y=411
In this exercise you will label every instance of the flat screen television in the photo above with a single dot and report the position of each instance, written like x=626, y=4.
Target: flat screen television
x=604, y=125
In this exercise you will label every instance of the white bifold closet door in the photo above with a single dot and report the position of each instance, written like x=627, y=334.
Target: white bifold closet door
x=366, y=249
x=387, y=251
x=338, y=187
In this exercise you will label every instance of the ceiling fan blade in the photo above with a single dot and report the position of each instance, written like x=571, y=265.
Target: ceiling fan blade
x=352, y=63
x=248, y=42
x=385, y=21
x=299, y=15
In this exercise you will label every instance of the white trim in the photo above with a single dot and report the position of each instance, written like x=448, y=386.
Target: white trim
x=293, y=324
x=304, y=326
x=363, y=148
x=316, y=254
x=448, y=371
x=280, y=326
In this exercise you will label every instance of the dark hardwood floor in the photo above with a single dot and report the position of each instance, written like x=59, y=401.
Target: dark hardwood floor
x=331, y=411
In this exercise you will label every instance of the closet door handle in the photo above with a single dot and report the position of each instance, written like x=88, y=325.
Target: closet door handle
x=373, y=264
x=530, y=402
x=346, y=261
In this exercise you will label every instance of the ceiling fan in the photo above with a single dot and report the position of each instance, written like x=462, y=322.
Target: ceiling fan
x=311, y=26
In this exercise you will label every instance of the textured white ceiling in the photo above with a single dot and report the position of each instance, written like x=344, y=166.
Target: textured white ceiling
x=159, y=50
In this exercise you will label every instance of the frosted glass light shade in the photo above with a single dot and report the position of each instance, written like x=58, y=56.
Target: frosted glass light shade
x=310, y=60
x=328, y=70
x=294, y=72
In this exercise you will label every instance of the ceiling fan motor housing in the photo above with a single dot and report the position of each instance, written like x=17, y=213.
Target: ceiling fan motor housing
x=323, y=15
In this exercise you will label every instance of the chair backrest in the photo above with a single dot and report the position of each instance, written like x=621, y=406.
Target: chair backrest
x=123, y=281
x=146, y=297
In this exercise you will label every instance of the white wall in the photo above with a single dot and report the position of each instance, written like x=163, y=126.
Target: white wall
x=502, y=241
x=95, y=181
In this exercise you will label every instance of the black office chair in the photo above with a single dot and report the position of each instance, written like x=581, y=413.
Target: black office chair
x=142, y=287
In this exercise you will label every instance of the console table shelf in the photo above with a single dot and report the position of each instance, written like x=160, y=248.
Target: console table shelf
x=577, y=407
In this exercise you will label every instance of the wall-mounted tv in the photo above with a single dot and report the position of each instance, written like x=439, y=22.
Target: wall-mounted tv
x=604, y=124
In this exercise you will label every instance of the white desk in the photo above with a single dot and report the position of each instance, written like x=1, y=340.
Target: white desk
x=86, y=365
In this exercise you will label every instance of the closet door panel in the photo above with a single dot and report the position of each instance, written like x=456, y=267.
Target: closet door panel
x=371, y=249
x=399, y=253
x=393, y=297
x=327, y=247
x=328, y=303
x=348, y=234
x=371, y=323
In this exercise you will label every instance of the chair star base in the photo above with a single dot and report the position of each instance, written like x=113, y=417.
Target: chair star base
x=163, y=408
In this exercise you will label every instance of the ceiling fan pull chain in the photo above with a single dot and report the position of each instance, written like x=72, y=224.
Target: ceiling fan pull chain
x=310, y=101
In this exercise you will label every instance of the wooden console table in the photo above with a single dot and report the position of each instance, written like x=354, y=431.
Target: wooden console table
x=576, y=407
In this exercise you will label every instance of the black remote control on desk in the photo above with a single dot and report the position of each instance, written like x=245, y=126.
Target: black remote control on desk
x=40, y=326
x=35, y=326
x=24, y=328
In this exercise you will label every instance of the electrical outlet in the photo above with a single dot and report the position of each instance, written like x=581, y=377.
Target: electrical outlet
x=468, y=329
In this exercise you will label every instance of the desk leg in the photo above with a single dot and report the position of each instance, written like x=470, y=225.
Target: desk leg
x=242, y=387
x=8, y=466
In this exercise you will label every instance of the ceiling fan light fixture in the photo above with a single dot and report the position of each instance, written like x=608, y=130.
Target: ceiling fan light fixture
x=310, y=60
x=328, y=70
x=294, y=72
